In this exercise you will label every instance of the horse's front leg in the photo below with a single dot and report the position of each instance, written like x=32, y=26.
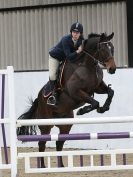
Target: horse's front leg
x=103, y=88
x=87, y=99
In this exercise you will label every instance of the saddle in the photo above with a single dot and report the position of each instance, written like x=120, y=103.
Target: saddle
x=47, y=89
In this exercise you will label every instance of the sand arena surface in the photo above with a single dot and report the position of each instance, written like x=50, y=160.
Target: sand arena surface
x=122, y=173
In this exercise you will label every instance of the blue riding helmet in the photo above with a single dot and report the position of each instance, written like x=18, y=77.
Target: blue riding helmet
x=77, y=27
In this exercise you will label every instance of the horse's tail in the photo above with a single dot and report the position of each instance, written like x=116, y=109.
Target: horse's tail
x=30, y=114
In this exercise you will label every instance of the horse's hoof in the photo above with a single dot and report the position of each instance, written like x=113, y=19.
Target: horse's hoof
x=61, y=166
x=80, y=112
x=42, y=166
x=100, y=110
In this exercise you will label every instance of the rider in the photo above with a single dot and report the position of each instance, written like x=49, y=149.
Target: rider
x=68, y=48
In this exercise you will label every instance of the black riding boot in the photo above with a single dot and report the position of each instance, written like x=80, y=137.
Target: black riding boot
x=53, y=99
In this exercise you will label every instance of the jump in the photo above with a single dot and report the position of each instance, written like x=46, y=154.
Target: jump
x=81, y=80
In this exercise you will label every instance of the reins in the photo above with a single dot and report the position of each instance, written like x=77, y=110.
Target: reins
x=94, y=59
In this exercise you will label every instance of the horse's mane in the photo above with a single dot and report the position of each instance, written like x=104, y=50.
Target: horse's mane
x=91, y=35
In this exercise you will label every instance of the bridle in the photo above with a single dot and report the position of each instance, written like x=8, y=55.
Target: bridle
x=96, y=61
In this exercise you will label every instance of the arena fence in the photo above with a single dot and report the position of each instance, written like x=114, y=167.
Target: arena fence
x=69, y=156
x=112, y=154
x=7, y=88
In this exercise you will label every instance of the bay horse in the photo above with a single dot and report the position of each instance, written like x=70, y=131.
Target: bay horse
x=82, y=79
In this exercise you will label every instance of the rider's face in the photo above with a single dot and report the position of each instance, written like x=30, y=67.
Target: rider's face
x=75, y=35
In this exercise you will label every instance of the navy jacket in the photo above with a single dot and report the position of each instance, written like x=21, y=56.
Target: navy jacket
x=65, y=49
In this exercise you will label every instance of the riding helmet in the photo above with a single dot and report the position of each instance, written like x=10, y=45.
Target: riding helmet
x=77, y=27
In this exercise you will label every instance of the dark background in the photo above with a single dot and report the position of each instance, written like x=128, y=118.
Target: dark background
x=130, y=31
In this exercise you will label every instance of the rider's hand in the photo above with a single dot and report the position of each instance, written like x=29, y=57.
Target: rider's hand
x=80, y=49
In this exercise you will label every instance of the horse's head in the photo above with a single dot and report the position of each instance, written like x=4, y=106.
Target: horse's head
x=100, y=48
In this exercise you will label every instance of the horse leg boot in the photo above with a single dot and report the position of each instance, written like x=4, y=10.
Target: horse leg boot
x=93, y=104
x=108, y=101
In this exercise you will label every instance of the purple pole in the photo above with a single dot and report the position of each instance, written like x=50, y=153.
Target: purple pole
x=80, y=136
x=2, y=117
x=113, y=135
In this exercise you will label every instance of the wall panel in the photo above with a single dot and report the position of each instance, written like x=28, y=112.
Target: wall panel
x=27, y=35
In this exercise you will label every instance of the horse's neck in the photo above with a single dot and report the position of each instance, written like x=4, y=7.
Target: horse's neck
x=82, y=60
x=89, y=61
x=69, y=69
x=92, y=66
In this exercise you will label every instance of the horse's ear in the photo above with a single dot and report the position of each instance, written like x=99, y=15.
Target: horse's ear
x=110, y=36
x=102, y=37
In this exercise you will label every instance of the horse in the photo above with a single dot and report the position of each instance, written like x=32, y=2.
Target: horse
x=81, y=79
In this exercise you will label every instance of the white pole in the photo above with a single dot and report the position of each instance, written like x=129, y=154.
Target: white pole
x=13, y=136
x=4, y=121
x=66, y=121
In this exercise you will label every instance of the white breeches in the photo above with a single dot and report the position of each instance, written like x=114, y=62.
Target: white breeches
x=53, y=68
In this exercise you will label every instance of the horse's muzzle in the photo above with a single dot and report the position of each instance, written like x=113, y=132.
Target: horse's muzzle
x=111, y=71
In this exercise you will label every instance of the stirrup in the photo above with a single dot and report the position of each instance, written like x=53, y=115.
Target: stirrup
x=52, y=100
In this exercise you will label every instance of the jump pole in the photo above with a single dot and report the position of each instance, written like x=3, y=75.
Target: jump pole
x=102, y=120
x=79, y=136
x=70, y=121
x=75, y=136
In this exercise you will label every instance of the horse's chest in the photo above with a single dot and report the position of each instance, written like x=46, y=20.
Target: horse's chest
x=90, y=77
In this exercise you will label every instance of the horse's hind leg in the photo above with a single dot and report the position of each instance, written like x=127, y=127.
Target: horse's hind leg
x=42, y=144
x=59, y=147
x=64, y=129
